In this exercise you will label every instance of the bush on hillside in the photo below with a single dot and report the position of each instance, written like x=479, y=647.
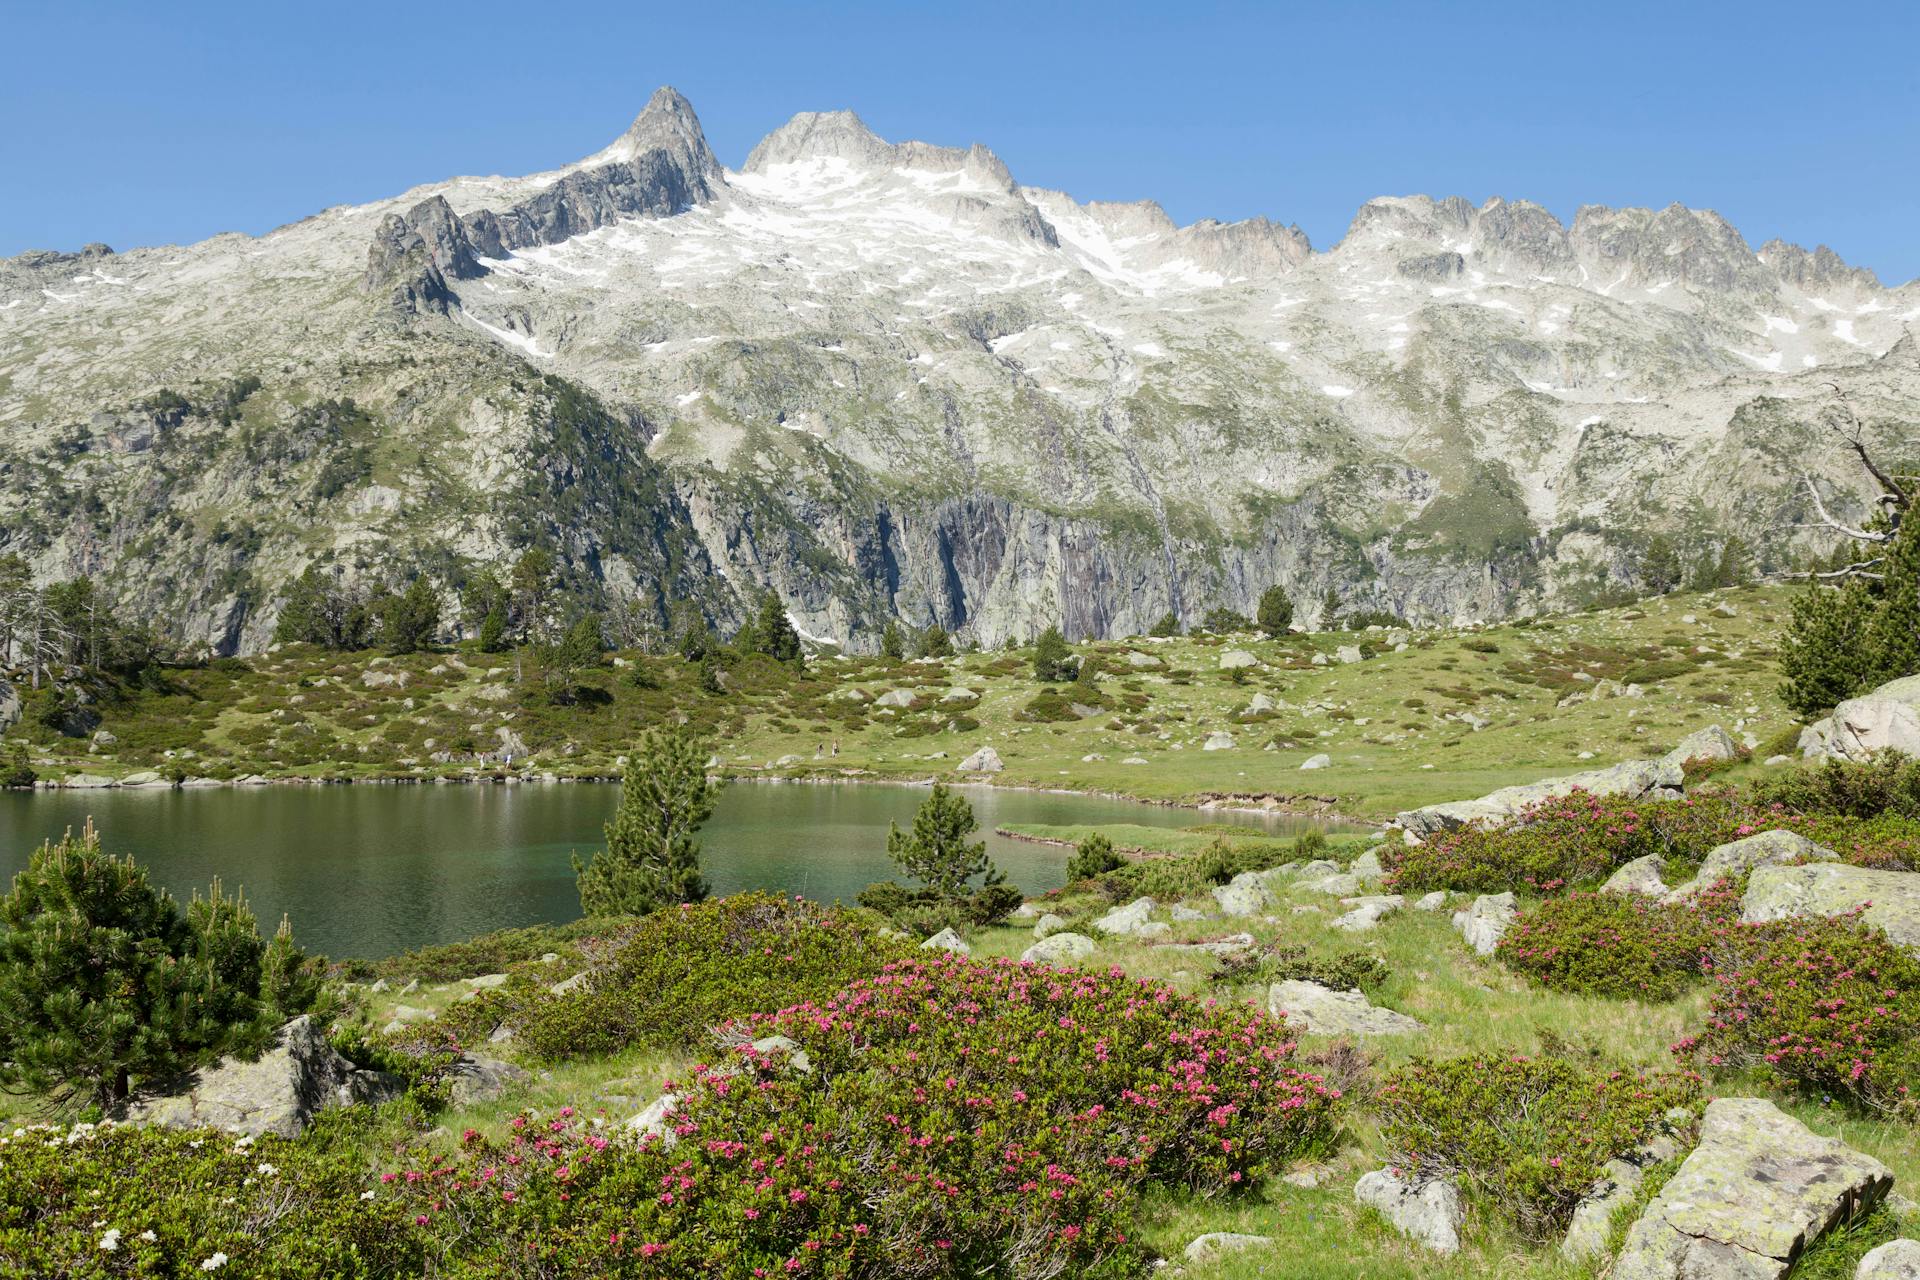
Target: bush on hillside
x=1619, y=945
x=956, y=1119
x=1093, y=856
x=667, y=979
x=1829, y=1006
x=1887, y=784
x=1353, y=970
x=1526, y=1136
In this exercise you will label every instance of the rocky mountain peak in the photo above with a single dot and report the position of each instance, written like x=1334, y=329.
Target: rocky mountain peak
x=838, y=135
x=668, y=124
x=1696, y=248
x=1820, y=269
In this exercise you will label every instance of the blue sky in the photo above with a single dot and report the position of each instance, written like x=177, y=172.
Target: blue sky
x=144, y=124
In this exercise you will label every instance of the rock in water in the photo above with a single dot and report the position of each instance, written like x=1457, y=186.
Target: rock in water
x=1058, y=947
x=1326, y=1012
x=1429, y=1214
x=1887, y=719
x=1486, y=922
x=1758, y=1189
x=279, y=1092
x=1832, y=889
x=985, y=760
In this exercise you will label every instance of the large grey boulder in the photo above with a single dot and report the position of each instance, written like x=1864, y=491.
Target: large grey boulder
x=1710, y=743
x=1758, y=1189
x=1218, y=741
x=656, y=1121
x=479, y=1078
x=1428, y=1213
x=1237, y=660
x=1326, y=1012
x=1738, y=857
x=1127, y=919
x=1486, y=922
x=1619, y=1182
x=1059, y=947
x=1633, y=779
x=1048, y=925
x=1641, y=876
x=1894, y=1260
x=985, y=760
x=279, y=1092
x=1244, y=895
x=1367, y=869
x=1832, y=889
x=895, y=698
x=1887, y=719
x=947, y=940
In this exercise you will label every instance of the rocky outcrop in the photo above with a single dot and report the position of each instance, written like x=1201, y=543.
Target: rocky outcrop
x=1059, y=948
x=1632, y=779
x=1641, y=876
x=279, y=1092
x=1894, y=1260
x=1326, y=1012
x=1891, y=898
x=475, y=1078
x=1246, y=894
x=1887, y=719
x=1758, y=1189
x=1619, y=1181
x=1128, y=919
x=1428, y=1213
x=1738, y=857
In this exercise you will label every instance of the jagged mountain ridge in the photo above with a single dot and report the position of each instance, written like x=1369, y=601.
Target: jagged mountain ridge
x=890, y=380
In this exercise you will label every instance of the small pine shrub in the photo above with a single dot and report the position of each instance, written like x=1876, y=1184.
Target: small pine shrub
x=1525, y=1136
x=1888, y=784
x=1094, y=856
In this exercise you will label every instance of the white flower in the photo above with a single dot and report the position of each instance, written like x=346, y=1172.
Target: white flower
x=366, y=1195
x=148, y=1235
x=111, y=1240
x=214, y=1263
x=266, y=1170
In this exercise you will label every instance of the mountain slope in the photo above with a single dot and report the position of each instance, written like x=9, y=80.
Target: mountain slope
x=890, y=380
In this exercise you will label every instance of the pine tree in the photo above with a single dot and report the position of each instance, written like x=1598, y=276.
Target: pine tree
x=892, y=644
x=1092, y=857
x=289, y=981
x=936, y=852
x=409, y=621
x=1052, y=657
x=652, y=859
x=1169, y=625
x=773, y=631
x=1823, y=650
x=1660, y=570
x=1275, y=614
x=1893, y=639
x=934, y=643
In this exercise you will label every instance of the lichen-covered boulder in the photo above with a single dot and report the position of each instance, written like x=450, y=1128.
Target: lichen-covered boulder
x=1894, y=1260
x=1737, y=857
x=985, y=760
x=1048, y=925
x=1059, y=947
x=279, y=1092
x=1367, y=913
x=1326, y=1012
x=1758, y=1189
x=1127, y=919
x=1244, y=895
x=1486, y=922
x=1642, y=876
x=947, y=940
x=1632, y=779
x=1887, y=719
x=1892, y=898
x=1428, y=1213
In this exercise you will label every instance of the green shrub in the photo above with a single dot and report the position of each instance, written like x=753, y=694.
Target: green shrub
x=651, y=859
x=17, y=772
x=1348, y=971
x=1049, y=706
x=1829, y=1006
x=1888, y=784
x=488, y=953
x=1620, y=945
x=1094, y=856
x=666, y=979
x=1656, y=671
x=1526, y=1137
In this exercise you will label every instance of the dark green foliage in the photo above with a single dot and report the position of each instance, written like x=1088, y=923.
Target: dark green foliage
x=1275, y=962
x=104, y=983
x=321, y=607
x=1168, y=625
x=1052, y=658
x=772, y=631
x=582, y=646
x=1049, y=706
x=1619, y=945
x=1660, y=570
x=1842, y=641
x=17, y=771
x=410, y=620
x=1221, y=620
x=938, y=853
x=1094, y=856
x=1887, y=784
x=892, y=644
x=1527, y=1137
x=934, y=642
x=652, y=859
x=1275, y=614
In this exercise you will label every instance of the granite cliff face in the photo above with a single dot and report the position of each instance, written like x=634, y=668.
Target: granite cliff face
x=891, y=381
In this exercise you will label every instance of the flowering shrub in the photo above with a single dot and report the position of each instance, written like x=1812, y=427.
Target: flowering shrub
x=1527, y=1135
x=1618, y=944
x=1826, y=1005
x=1581, y=838
x=121, y=1201
x=1887, y=784
x=677, y=973
x=954, y=1119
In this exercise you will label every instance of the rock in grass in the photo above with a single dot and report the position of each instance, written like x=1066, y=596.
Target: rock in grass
x=1633, y=779
x=1367, y=913
x=1887, y=719
x=1059, y=947
x=1218, y=741
x=1432, y=902
x=947, y=940
x=1211, y=1245
x=1127, y=919
x=1641, y=876
x=985, y=760
x=478, y=1078
x=1047, y=925
x=1244, y=895
x=1737, y=857
x=1326, y=1012
x=1428, y=1214
x=1758, y=1190
x=1237, y=660
x=565, y=985
x=1320, y=761
x=1620, y=1179
x=1367, y=869
x=657, y=1120
x=1891, y=898
x=1894, y=1260
x=1711, y=743
x=279, y=1092
x=1485, y=922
